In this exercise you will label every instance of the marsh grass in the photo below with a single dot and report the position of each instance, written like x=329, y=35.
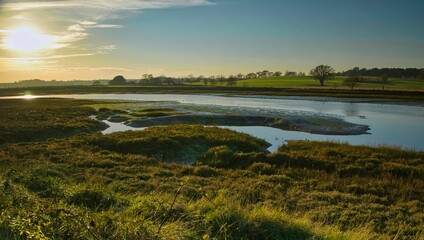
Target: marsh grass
x=131, y=185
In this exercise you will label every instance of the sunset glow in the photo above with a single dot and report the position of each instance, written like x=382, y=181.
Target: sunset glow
x=27, y=39
x=85, y=40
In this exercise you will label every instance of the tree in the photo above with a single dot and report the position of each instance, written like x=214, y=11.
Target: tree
x=290, y=74
x=352, y=81
x=251, y=76
x=384, y=78
x=231, y=80
x=322, y=73
x=278, y=74
x=97, y=83
x=240, y=76
x=421, y=74
x=118, y=80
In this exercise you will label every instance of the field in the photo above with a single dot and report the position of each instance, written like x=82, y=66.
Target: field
x=337, y=82
x=66, y=181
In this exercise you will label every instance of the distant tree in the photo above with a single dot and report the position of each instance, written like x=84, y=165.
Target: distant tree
x=220, y=79
x=118, y=80
x=132, y=82
x=301, y=74
x=421, y=74
x=205, y=81
x=240, y=76
x=167, y=80
x=290, y=74
x=231, y=80
x=378, y=72
x=322, y=73
x=352, y=81
x=212, y=81
x=277, y=74
x=147, y=76
x=384, y=78
x=97, y=83
x=189, y=79
x=251, y=76
x=263, y=74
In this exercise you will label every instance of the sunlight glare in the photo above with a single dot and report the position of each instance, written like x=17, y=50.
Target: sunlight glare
x=28, y=96
x=27, y=39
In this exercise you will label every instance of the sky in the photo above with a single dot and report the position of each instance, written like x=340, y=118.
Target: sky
x=99, y=39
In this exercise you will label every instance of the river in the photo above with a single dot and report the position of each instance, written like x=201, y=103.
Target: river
x=390, y=124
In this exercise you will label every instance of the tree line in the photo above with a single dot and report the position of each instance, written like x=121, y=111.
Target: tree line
x=150, y=80
x=389, y=72
x=321, y=73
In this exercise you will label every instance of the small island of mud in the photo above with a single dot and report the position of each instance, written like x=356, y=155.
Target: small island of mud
x=321, y=125
x=157, y=114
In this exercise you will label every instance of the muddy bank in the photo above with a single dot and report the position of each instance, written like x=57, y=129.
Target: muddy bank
x=327, y=126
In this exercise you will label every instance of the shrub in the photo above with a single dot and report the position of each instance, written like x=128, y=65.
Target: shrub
x=205, y=171
x=93, y=199
x=220, y=157
x=44, y=182
x=262, y=168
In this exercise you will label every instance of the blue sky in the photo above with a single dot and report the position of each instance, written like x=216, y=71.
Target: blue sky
x=100, y=39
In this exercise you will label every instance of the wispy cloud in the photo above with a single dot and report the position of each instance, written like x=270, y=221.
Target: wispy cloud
x=91, y=14
x=113, y=5
x=106, y=26
x=48, y=57
x=73, y=21
x=28, y=5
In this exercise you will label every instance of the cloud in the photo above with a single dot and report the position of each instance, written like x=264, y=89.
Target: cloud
x=111, y=5
x=73, y=21
x=48, y=57
x=106, y=26
x=76, y=27
x=28, y=5
x=21, y=17
x=106, y=49
x=120, y=69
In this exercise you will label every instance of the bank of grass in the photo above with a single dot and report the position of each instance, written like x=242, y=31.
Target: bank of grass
x=394, y=90
x=132, y=185
x=336, y=82
x=41, y=119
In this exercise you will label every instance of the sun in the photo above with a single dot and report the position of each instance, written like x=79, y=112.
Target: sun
x=27, y=39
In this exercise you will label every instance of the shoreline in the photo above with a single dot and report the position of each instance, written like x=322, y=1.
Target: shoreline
x=372, y=95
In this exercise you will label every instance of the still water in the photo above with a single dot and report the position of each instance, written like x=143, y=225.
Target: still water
x=390, y=124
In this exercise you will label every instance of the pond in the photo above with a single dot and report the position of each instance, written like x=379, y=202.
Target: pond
x=391, y=124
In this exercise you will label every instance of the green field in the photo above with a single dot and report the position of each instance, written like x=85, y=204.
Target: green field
x=63, y=180
x=337, y=82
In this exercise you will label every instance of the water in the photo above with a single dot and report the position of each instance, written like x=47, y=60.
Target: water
x=390, y=124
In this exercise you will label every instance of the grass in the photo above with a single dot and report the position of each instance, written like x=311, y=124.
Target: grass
x=337, y=82
x=128, y=185
x=41, y=119
x=372, y=89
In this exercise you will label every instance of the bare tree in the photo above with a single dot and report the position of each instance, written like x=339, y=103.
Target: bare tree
x=322, y=73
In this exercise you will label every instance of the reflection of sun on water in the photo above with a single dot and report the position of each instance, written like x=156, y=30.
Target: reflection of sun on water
x=27, y=96
x=27, y=39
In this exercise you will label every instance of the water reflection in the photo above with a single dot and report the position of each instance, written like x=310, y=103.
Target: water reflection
x=399, y=125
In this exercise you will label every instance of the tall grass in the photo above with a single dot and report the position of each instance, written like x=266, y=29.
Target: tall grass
x=132, y=185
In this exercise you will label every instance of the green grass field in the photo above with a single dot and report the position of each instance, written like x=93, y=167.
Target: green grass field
x=374, y=83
